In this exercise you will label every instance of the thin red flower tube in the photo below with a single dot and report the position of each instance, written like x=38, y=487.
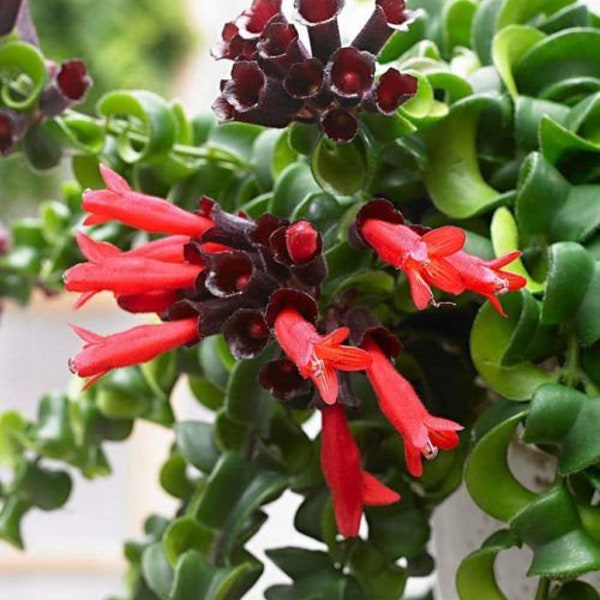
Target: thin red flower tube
x=351, y=487
x=423, y=434
x=152, y=214
x=317, y=356
x=486, y=277
x=101, y=354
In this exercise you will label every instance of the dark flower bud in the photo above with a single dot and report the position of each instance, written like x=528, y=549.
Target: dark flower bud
x=304, y=79
x=395, y=12
x=279, y=47
x=378, y=208
x=320, y=16
x=233, y=45
x=228, y=273
x=67, y=86
x=339, y=124
x=387, y=16
x=282, y=379
x=318, y=12
x=363, y=324
x=351, y=72
x=301, y=302
x=244, y=90
x=392, y=89
x=265, y=226
x=246, y=333
x=12, y=128
x=252, y=22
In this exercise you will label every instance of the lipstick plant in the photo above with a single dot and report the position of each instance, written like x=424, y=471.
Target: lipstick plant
x=395, y=234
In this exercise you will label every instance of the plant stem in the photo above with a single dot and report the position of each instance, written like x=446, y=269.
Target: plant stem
x=542, y=589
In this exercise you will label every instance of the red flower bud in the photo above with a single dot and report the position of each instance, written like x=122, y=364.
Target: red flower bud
x=302, y=242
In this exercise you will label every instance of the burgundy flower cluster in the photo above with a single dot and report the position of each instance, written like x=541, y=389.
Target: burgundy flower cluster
x=67, y=85
x=276, y=80
x=212, y=273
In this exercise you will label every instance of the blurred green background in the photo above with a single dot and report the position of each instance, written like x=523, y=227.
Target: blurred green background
x=124, y=43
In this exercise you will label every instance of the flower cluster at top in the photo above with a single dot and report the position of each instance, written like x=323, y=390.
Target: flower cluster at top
x=276, y=80
x=258, y=281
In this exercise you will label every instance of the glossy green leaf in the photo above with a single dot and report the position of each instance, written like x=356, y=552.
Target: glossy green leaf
x=552, y=528
x=547, y=204
x=488, y=477
x=577, y=590
x=491, y=336
x=299, y=562
x=288, y=442
x=530, y=340
x=47, y=489
x=234, y=490
x=174, y=479
x=475, y=577
x=570, y=271
x=293, y=185
x=458, y=18
x=509, y=45
x=157, y=572
x=531, y=118
x=235, y=140
x=246, y=401
x=53, y=435
x=339, y=168
x=212, y=366
x=24, y=66
x=196, y=579
x=12, y=427
x=560, y=58
x=206, y=393
x=315, y=518
x=397, y=533
x=12, y=512
x=196, y=443
x=453, y=177
x=185, y=534
x=378, y=578
x=587, y=317
x=144, y=114
x=563, y=417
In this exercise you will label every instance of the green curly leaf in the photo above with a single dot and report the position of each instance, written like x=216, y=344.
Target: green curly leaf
x=488, y=477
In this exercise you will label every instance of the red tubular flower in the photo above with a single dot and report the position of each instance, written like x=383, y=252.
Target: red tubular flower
x=101, y=354
x=128, y=272
x=350, y=487
x=486, y=277
x=165, y=250
x=315, y=355
x=149, y=213
x=423, y=258
x=422, y=433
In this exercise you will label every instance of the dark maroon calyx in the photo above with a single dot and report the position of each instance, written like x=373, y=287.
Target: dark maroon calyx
x=246, y=333
x=339, y=124
x=351, y=72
